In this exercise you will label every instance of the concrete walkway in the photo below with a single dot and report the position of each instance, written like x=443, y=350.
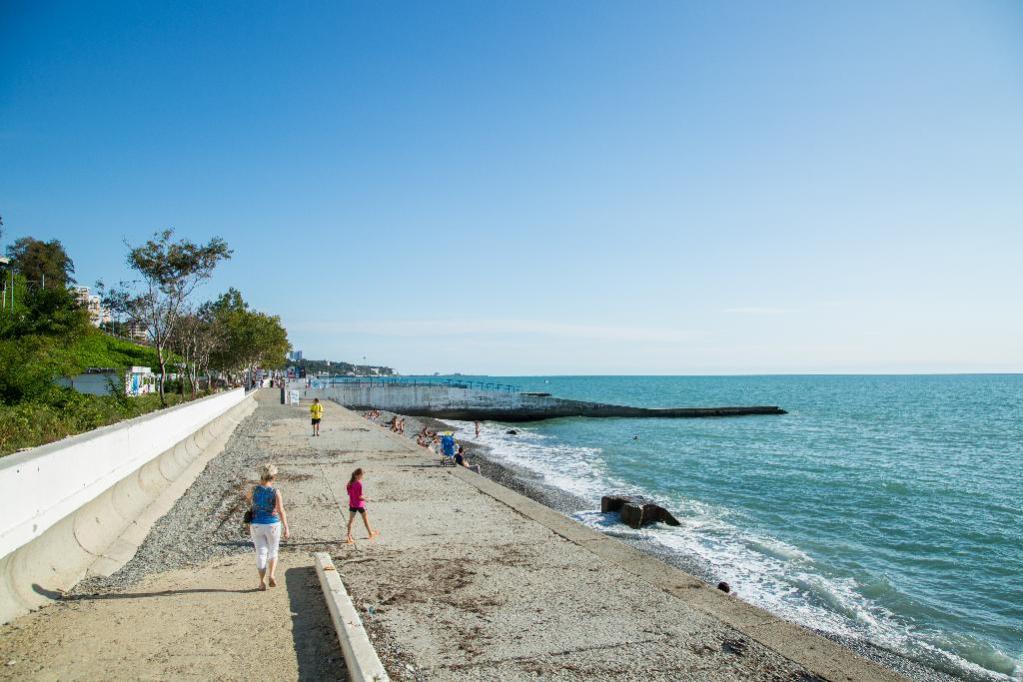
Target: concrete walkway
x=194, y=625
x=468, y=581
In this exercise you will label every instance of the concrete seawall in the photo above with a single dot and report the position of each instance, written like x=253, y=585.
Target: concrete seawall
x=451, y=402
x=84, y=504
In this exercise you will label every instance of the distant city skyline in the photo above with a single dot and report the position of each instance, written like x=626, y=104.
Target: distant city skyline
x=542, y=188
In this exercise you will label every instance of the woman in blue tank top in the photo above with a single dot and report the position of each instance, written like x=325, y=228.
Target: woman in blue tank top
x=267, y=518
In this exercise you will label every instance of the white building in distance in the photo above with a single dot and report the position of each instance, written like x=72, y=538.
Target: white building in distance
x=97, y=313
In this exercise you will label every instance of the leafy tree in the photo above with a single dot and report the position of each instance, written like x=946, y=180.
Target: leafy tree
x=48, y=312
x=118, y=302
x=42, y=263
x=196, y=338
x=36, y=337
x=29, y=365
x=170, y=271
x=251, y=339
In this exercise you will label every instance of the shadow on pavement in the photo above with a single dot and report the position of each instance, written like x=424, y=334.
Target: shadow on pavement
x=316, y=646
x=60, y=596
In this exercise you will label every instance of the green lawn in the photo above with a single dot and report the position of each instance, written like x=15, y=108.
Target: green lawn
x=97, y=349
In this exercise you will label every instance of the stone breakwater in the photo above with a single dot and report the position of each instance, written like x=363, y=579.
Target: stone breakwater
x=454, y=402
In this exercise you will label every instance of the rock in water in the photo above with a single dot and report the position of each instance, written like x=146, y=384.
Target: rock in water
x=613, y=503
x=659, y=513
x=637, y=511
x=632, y=515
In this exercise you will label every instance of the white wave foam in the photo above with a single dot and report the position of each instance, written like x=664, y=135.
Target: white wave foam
x=785, y=581
x=576, y=470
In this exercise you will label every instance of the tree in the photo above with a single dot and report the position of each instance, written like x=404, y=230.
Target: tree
x=36, y=335
x=44, y=264
x=197, y=336
x=170, y=271
x=251, y=339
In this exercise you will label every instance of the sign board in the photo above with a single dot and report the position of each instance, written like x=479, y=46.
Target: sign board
x=294, y=397
x=139, y=381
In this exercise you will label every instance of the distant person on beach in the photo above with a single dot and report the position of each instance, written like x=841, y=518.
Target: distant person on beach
x=267, y=518
x=357, y=505
x=461, y=460
x=316, y=412
x=477, y=425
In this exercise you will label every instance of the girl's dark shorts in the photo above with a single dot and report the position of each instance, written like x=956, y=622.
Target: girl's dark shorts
x=316, y=421
x=361, y=510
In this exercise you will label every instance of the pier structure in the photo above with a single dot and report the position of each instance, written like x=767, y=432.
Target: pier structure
x=472, y=400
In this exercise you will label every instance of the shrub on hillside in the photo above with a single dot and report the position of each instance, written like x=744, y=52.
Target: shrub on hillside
x=65, y=412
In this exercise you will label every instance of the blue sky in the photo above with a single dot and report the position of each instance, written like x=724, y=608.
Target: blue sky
x=558, y=187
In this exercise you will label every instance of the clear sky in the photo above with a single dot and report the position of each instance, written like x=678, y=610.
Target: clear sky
x=551, y=187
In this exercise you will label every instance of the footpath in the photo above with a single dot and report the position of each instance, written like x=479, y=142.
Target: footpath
x=468, y=581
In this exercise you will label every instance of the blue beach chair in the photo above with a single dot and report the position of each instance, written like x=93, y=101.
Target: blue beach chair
x=447, y=449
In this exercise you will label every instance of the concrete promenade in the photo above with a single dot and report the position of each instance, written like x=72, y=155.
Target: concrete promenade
x=468, y=580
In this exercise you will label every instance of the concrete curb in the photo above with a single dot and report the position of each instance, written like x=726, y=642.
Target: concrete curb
x=360, y=656
x=817, y=654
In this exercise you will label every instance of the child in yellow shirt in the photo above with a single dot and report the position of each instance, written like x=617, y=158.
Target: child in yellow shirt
x=316, y=412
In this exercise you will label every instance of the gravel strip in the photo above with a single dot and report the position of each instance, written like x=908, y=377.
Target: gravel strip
x=206, y=522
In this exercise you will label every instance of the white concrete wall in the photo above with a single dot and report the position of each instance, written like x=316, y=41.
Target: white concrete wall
x=85, y=504
x=41, y=486
x=398, y=397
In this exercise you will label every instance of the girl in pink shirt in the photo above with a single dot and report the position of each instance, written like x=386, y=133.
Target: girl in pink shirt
x=357, y=505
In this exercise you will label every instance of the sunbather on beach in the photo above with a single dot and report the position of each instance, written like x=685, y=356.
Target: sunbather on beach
x=461, y=460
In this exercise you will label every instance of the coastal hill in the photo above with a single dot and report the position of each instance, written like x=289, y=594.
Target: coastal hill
x=334, y=367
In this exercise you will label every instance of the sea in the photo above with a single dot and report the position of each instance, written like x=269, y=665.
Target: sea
x=883, y=509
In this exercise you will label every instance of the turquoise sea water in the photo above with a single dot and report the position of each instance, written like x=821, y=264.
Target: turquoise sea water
x=886, y=508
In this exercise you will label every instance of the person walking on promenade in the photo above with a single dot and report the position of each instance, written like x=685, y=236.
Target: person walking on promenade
x=316, y=412
x=268, y=517
x=357, y=505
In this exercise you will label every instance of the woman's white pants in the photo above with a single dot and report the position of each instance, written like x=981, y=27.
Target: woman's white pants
x=267, y=538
